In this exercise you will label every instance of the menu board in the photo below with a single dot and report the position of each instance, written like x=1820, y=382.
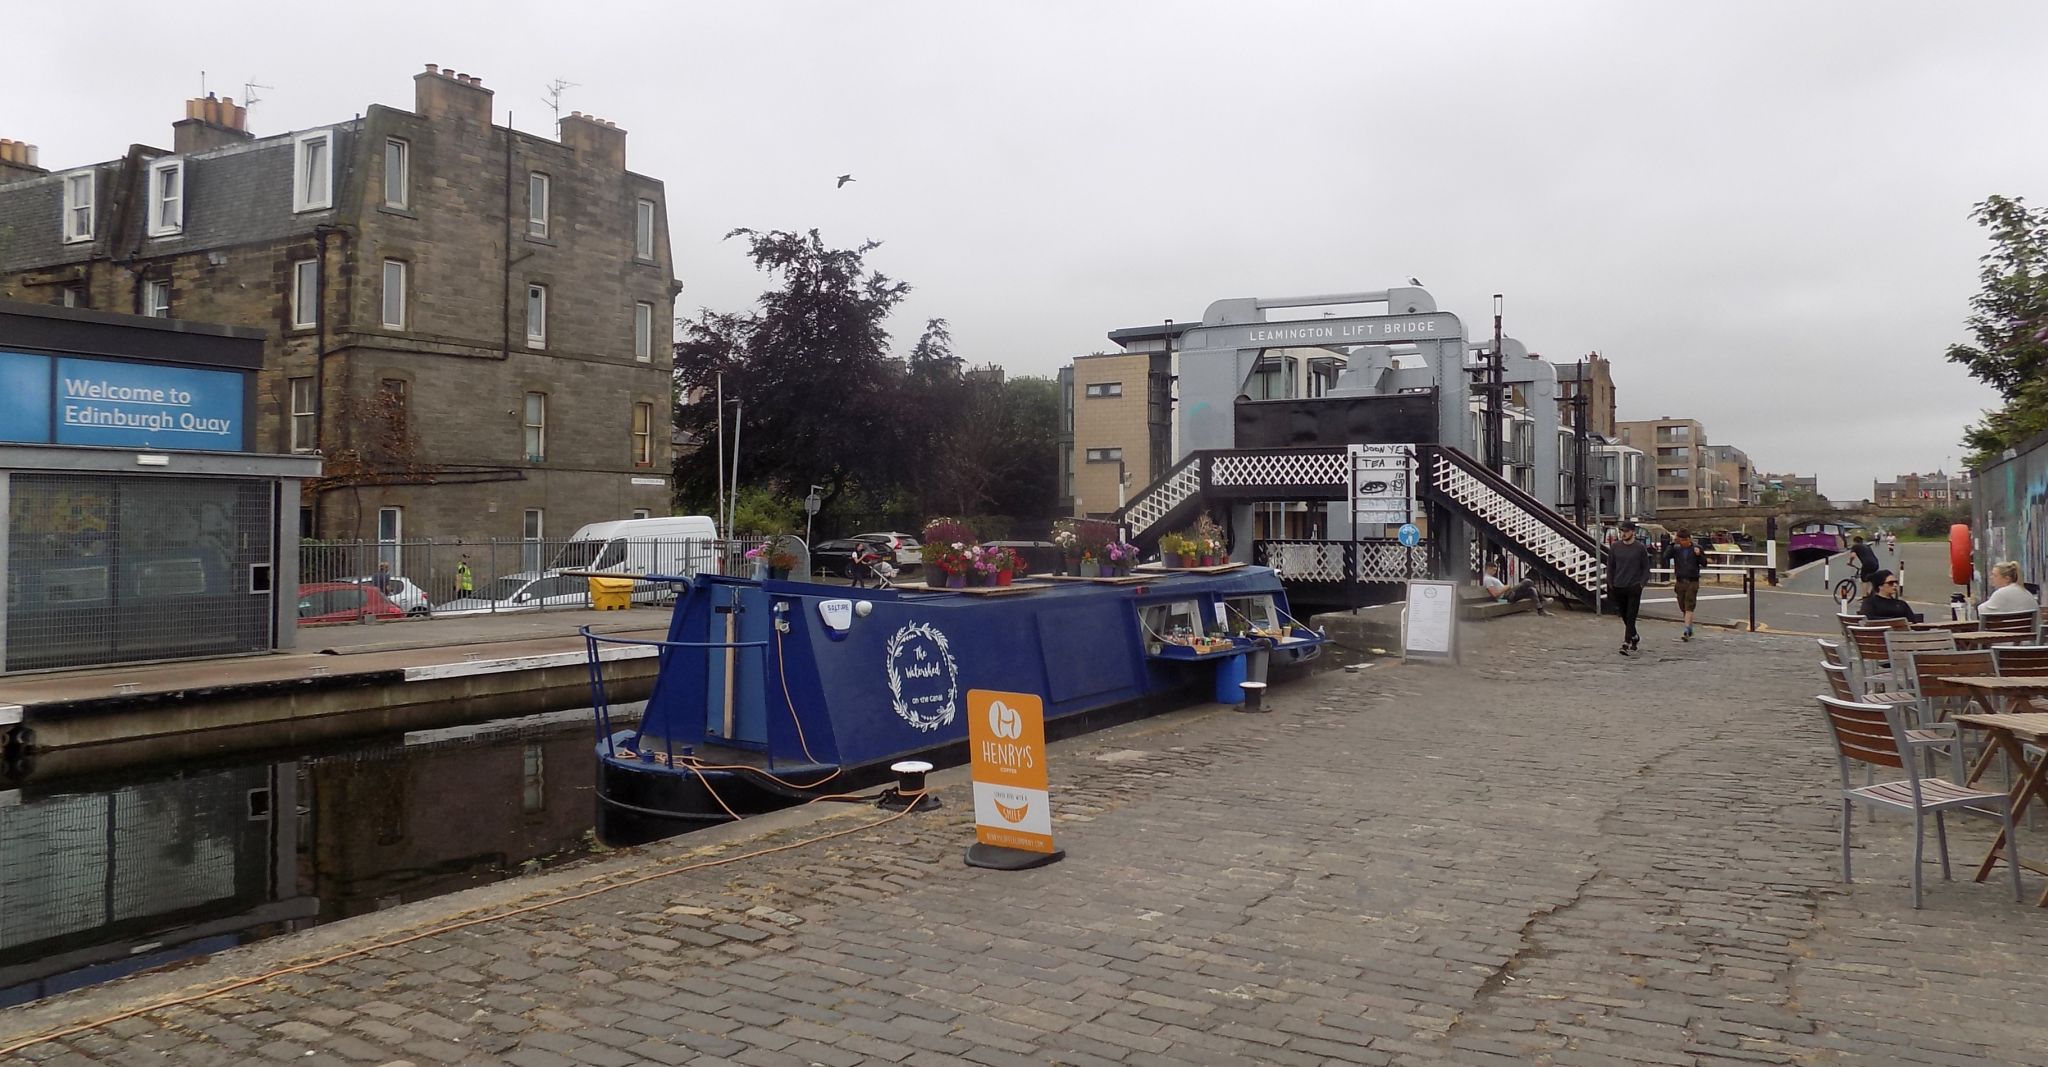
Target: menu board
x=1429, y=624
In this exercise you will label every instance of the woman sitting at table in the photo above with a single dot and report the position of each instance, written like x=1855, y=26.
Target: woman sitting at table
x=1883, y=601
x=2007, y=594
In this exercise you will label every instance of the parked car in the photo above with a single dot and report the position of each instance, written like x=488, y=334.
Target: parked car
x=401, y=591
x=525, y=591
x=836, y=558
x=326, y=602
x=908, y=551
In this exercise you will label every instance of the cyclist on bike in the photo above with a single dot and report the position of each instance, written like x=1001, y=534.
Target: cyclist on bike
x=1867, y=566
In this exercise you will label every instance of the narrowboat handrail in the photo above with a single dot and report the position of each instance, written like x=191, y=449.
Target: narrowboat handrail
x=601, y=703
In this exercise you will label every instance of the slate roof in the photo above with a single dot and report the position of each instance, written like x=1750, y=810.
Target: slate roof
x=239, y=194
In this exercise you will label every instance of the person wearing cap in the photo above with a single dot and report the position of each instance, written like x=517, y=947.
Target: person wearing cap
x=1687, y=561
x=1883, y=601
x=1628, y=570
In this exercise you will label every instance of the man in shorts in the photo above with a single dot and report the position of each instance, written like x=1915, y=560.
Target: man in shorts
x=1687, y=561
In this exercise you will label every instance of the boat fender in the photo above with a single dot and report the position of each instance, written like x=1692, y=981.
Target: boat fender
x=1959, y=554
x=837, y=616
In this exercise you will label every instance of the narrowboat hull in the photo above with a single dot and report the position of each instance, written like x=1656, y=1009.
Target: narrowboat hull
x=776, y=693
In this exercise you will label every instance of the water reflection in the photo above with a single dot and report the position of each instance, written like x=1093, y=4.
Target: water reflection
x=101, y=882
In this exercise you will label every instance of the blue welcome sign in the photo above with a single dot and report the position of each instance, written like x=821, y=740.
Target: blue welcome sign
x=24, y=397
x=70, y=401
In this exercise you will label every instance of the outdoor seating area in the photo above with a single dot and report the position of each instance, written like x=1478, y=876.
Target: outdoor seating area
x=1942, y=718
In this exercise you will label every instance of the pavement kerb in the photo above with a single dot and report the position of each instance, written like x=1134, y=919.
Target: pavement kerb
x=424, y=917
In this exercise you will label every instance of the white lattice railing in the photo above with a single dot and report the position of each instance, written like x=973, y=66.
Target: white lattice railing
x=1323, y=561
x=1155, y=504
x=1531, y=533
x=1278, y=469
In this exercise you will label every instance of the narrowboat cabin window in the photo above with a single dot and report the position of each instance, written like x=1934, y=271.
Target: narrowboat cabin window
x=1172, y=621
x=1253, y=614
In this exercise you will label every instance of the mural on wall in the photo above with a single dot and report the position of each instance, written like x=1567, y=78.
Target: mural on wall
x=2011, y=515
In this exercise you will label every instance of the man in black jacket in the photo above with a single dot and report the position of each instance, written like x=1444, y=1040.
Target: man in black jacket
x=1867, y=565
x=1686, y=561
x=1628, y=570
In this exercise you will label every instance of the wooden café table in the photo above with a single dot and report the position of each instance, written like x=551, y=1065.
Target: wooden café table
x=1961, y=626
x=2009, y=734
x=1999, y=693
x=1970, y=640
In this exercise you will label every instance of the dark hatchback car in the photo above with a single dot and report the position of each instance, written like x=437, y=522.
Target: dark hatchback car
x=836, y=557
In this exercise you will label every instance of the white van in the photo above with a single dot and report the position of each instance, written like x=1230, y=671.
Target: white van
x=675, y=545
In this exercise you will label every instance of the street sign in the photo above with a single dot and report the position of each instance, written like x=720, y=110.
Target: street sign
x=812, y=503
x=1409, y=535
x=1380, y=491
x=1012, y=807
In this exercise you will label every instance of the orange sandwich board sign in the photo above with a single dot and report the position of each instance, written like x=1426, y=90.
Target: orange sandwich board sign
x=1012, y=808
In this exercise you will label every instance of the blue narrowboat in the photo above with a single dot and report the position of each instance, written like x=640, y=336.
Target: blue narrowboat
x=773, y=693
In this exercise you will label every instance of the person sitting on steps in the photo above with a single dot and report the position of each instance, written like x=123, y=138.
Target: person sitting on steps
x=1501, y=593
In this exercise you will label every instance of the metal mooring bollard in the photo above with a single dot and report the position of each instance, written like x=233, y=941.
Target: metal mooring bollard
x=1254, y=695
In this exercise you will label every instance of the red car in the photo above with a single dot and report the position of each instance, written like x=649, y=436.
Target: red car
x=325, y=602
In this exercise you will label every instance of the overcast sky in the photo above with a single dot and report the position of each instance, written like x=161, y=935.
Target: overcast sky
x=1758, y=211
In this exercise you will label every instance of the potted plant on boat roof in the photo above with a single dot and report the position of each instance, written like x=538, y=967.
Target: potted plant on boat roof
x=946, y=531
x=950, y=562
x=1173, y=550
x=1068, y=542
x=995, y=565
x=1118, y=557
x=1209, y=534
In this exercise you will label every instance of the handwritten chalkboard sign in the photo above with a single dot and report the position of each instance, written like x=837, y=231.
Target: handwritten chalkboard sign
x=1429, y=622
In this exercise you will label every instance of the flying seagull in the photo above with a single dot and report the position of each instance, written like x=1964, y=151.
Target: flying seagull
x=843, y=179
x=1414, y=281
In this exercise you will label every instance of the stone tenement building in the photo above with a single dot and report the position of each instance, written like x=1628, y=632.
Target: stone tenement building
x=470, y=324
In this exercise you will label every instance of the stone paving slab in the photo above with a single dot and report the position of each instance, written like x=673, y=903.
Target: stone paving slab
x=1550, y=855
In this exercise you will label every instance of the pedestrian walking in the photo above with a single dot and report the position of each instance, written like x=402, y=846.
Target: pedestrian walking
x=465, y=582
x=1891, y=543
x=1687, y=563
x=1628, y=570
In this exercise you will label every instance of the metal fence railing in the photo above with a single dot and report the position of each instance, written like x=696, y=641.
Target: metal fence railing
x=378, y=581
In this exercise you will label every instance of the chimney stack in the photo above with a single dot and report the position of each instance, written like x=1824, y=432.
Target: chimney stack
x=439, y=92
x=595, y=141
x=210, y=122
x=18, y=161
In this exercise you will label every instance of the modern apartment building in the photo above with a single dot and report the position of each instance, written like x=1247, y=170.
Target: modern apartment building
x=1114, y=429
x=1732, y=476
x=469, y=324
x=1676, y=452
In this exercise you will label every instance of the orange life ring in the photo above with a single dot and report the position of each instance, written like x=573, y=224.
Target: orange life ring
x=1959, y=554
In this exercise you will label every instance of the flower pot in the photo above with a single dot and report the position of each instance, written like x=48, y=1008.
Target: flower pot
x=956, y=581
x=1002, y=577
x=778, y=573
x=1091, y=568
x=1171, y=560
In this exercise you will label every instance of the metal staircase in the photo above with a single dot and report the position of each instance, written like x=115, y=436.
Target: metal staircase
x=1172, y=501
x=1561, y=553
x=1566, y=555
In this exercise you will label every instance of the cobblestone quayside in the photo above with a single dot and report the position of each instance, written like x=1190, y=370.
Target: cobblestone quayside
x=1550, y=855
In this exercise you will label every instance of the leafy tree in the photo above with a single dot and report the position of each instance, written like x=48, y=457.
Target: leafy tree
x=810, y=368
x=2009, y=321
x=1933, y=522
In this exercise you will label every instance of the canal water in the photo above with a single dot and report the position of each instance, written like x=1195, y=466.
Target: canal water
x=103, y=879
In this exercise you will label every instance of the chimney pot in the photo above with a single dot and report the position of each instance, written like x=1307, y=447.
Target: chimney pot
x=433, y=68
